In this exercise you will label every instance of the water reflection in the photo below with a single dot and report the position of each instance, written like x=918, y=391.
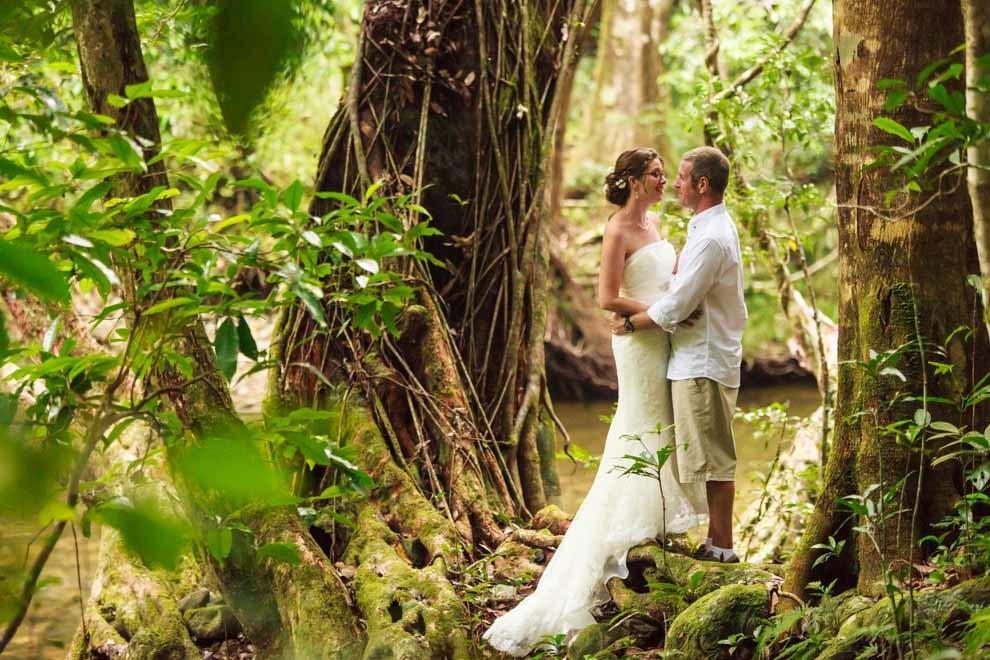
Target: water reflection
x=54, y=614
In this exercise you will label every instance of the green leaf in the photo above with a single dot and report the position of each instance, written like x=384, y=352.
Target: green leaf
x=398, y=294
x=946, y=427
x=928, y=71
x=292, y=196
x=895, y=99
x=248, y=45
x=25, y=267
x=312, y=238
x=372, y=189
x=922, y=417
x=369, y=265
x=280, y=552
x=245, y=340
x=341, y=198
x=953, y=102
x=144, y=90
x=894, y=128
x=226, y=346
x=890, y=83
x=87, y=198
x=314, y=448
x=171, y=303
x=127, y=151
x=233, y=467
x=114, y=237
x=116, y=101
x=331, y=492
x=312, y=303
x=891, y=371
x=154, y=534
x=231, y=221
x=220, y=541
x=56, y=510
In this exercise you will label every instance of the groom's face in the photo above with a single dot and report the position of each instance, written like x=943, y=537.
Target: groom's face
x=687, y=195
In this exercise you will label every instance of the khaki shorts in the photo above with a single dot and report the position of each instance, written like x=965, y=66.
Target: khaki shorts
x=706, y=450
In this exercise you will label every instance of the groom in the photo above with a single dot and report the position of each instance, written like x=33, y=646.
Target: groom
x=706, y=354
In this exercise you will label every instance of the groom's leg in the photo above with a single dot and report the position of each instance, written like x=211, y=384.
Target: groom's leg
x=703, y=411
x=721, y=495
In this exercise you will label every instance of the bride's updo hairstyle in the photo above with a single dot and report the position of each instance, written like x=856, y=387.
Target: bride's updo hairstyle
x=631, y=163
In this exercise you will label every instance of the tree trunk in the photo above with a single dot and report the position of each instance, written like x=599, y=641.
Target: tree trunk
x=976, y=14
x=455, y=124
x=283, y=609
x=889, y=298
x=627, y=101
x=451, y=418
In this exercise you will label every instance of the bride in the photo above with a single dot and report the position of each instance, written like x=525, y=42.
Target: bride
x=618, y=512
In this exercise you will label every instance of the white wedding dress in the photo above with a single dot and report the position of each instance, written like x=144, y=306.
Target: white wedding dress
x=618, y=512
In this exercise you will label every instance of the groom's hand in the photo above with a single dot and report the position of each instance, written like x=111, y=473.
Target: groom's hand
x=694, y=316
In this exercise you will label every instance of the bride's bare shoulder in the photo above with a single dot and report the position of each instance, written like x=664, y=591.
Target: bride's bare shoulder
x=615, y=226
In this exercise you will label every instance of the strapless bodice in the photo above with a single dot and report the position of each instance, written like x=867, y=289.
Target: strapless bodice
x=647, y=272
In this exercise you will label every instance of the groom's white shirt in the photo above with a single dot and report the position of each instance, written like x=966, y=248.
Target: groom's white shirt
x=709, y=275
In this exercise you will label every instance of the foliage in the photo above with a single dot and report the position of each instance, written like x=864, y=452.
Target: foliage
x=921, y=157
x=145, y=269
x=937, y=430
x=248, y=44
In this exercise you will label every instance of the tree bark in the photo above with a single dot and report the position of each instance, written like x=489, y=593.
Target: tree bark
x=476, y=346
x=976, y=15
x=889, y=298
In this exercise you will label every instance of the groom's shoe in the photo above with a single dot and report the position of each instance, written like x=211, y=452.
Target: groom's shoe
x=706, y=553
x=701, y=552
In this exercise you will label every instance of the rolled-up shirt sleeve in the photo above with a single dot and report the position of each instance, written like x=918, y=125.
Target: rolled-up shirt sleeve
x=696, y=274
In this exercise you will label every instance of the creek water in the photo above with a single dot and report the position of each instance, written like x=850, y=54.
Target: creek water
x=54, y=615
x=586, y=428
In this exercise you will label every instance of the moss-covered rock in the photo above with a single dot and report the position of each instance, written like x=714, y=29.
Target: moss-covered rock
x=213, y=623
x=552, y=518
x=194, y=599
x=514, y=562
x=827, y=618
x=695, y=576
x=648, y=613
x=131, y=607
x=940, y=609
x=732, y=609
x=589, y=641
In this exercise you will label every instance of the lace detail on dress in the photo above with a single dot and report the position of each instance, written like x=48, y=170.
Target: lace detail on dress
x=618, y=512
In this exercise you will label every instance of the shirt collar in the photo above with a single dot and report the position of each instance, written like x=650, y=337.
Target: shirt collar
x=718, y=209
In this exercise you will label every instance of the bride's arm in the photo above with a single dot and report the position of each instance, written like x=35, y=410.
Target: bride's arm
x=610, y=275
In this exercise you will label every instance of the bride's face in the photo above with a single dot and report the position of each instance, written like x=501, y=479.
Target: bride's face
x=653, y=181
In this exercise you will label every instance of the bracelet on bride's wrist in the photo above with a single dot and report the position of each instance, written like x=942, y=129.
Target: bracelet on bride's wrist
x=628, y=324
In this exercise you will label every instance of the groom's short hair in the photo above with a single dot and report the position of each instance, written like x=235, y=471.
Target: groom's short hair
x=711, y=163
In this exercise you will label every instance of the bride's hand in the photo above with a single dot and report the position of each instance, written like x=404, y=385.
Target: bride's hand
x=617, y=324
